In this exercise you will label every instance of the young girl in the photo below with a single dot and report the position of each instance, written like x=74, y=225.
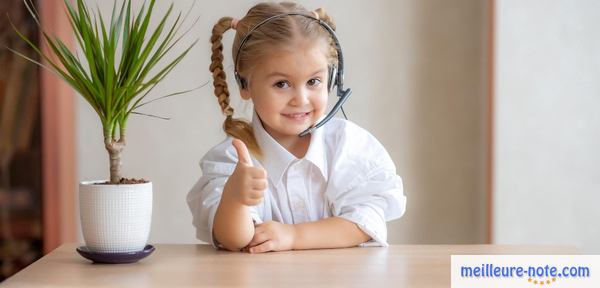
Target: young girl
x=265, y=188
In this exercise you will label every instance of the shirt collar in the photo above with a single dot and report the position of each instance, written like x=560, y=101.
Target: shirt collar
x=276, y=158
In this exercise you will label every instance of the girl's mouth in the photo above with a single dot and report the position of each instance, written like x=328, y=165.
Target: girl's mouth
x=297, y=116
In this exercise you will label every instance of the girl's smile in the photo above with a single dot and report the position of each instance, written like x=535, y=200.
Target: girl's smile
x=289, y=90
x=298, y=117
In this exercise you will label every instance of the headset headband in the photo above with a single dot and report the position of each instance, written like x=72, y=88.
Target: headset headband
x=339, y=71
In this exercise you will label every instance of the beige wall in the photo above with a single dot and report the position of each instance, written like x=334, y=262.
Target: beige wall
x=417, y=69
x=547, y=179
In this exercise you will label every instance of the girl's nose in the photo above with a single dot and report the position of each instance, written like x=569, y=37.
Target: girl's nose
x=301, y=97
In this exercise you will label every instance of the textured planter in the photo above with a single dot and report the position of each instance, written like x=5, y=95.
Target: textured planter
x=115, y=218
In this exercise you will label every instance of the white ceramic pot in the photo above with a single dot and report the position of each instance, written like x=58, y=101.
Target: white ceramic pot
x=115, y=218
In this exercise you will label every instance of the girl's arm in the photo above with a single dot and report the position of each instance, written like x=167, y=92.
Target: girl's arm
x=332, y=232
x=233, y=226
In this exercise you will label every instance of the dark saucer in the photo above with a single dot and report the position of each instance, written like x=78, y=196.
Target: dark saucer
x=115, y=257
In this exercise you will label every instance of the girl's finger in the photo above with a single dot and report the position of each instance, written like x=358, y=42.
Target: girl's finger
x=258, y=239
x=258, y=228
x=259, y=173
x=264, y=247
x=256, y=194
x=259, y=184
x=242, y=152
x=253, y=202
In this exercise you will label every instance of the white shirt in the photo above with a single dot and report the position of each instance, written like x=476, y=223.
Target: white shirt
x=346, y=173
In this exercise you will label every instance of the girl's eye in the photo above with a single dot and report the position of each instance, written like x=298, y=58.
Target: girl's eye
x=282, y=84
x=314, y=82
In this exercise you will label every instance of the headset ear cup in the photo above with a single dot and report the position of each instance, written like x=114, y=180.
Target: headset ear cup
x=241, y=82
x=331, y=78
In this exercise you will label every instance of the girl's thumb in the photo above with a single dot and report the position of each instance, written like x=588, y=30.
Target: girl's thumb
x=242, y=152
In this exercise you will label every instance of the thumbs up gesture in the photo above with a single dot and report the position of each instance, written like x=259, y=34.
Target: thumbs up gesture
x=247, y=183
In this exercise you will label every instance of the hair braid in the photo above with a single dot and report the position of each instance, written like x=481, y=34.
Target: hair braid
x=216, y=66
x=236, y=128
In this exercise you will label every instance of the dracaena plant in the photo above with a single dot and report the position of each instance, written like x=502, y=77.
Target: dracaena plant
x=114, y=86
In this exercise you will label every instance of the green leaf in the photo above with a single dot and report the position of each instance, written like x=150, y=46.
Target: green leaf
x=112, y=77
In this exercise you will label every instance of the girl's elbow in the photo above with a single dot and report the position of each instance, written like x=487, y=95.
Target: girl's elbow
x=234, y=243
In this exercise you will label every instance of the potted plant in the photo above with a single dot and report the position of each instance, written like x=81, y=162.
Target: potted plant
x=117, y=69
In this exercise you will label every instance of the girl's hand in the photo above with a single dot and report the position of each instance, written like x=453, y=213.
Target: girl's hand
x=272, y=236
x=247, y=183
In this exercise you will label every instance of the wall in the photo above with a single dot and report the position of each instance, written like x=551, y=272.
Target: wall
x=421, y=64
x=547, y=184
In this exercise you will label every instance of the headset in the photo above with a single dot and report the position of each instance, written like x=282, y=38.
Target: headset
x=335, y=73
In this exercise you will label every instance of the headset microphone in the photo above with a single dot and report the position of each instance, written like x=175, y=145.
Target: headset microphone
x=335, y=76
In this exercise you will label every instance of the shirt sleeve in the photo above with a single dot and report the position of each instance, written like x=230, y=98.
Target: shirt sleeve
x=367, y=192
x=204, y=198
x=372, y=201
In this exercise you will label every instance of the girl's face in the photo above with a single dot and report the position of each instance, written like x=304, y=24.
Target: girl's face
x=289, y=88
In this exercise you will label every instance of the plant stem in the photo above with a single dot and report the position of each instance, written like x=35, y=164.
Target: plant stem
x=114, y=149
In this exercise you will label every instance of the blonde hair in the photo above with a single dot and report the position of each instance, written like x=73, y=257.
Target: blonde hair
x=278, y=32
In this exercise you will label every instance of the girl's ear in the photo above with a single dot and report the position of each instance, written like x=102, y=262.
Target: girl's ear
x=245, y=93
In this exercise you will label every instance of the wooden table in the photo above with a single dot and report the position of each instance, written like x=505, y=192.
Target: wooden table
x=201, y=265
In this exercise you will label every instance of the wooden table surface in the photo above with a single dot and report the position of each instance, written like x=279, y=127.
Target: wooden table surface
x=179, y=265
